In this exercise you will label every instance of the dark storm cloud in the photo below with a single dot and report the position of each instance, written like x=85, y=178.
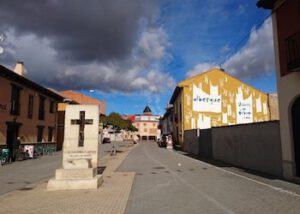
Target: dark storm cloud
x=109, y=45
x=79, y=30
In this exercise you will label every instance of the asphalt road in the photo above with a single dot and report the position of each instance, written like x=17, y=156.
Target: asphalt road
x=170, y=182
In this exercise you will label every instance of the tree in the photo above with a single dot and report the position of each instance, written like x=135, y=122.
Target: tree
x=117, y=122
x=130, y=127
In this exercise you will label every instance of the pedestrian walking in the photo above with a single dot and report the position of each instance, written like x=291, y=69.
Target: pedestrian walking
x=135, y=139
x=169, y=142
x=16, y=145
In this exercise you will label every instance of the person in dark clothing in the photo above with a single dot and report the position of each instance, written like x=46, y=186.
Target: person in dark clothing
x=16, y=146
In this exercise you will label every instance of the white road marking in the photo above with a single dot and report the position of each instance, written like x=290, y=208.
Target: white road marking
x=259, y=182
x=250, y=179
x=185, y=182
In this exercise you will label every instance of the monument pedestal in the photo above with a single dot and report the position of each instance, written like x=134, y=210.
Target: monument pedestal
x=75, y=175
x=80, y=151
x=78, y=183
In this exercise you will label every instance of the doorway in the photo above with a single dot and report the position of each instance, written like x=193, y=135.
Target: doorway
x=152, y=138
x=12, y=132
x=296, y=134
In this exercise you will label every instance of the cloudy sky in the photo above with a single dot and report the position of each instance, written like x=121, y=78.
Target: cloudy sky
x=133, y=52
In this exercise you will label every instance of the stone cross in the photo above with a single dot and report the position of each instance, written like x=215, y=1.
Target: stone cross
x=80, y=150
x=81, y=138
x=81, y=122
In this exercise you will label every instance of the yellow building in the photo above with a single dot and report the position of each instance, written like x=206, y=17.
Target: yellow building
x=215, y=98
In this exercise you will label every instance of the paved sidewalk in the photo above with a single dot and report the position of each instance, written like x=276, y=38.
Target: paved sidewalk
x=111, y=197
x=22, y=173
x=19, y=174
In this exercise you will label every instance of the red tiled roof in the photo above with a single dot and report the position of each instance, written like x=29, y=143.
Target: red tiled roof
x=84, y=99
x=128, y=117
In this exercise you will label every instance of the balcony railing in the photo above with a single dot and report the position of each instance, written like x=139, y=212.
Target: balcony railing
x=293, y=52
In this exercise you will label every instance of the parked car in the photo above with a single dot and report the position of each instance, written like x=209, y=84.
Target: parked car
x=162, y=141
x=106, y=140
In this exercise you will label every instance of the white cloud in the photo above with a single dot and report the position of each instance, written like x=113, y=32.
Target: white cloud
x=200, y=68
x=153, y=43
x=257, y=56
x=254, y=59
x=225, y=49
x=241, y=9
x=139, y=72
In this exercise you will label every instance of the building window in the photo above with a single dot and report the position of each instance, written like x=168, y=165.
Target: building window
x=145, y=124
x=50, y=134
x=15, y=100
x=40, y=130
x=52, y=106
x=176, y=118
x=30, y=106
x=154, y=124
x=293, y=52
x=145, y=130
x=42, y=108
x=180, y=113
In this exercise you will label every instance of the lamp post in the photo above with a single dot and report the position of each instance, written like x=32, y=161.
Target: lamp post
x=100, y=127
x=1, y=40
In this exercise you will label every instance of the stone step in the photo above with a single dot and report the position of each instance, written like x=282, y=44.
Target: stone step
x=61, y=174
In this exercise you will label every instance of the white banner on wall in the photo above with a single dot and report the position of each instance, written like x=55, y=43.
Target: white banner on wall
x=204, y=122
x=224, y=118
x=265, y=108
x=193, y=123
x=244, y=108
x=203, y=102
x=258, y=105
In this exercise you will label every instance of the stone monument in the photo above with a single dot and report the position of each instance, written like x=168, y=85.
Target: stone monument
x=80, y=150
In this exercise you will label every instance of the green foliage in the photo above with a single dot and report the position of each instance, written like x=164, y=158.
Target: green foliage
x=132, y=128
x=117, y=121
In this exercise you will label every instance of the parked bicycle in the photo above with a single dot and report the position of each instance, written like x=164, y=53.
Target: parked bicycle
x=22, y=154
x=4, y=156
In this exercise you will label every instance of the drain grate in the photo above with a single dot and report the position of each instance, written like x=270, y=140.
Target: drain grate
x=26, y=188
x=159, y=167
x=100, y=169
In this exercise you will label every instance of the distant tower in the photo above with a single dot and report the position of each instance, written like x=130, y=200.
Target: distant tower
x=147, y=111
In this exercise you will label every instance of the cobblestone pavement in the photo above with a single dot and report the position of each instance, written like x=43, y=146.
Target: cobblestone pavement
x=111, y=197
x=169, y=182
